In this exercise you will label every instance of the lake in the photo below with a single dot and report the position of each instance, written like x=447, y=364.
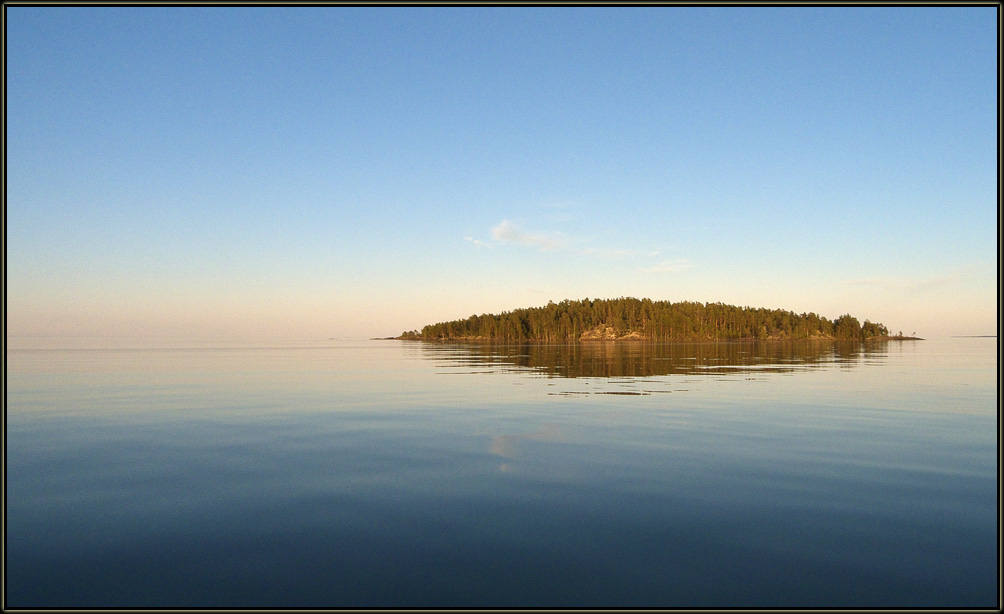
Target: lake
x=357, y=473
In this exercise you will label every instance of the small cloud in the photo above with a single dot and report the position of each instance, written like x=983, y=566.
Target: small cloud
x=479, y=243
x=669, y=266
x=507, y=232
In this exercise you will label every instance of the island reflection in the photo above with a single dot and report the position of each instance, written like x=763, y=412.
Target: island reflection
x=639, y=359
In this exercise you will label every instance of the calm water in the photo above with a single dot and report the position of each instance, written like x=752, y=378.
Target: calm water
x=387, y=473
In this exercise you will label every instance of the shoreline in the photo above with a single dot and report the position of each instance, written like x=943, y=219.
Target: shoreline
x=635, y=338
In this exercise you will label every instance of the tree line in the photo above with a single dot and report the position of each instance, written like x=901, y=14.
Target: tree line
x=572, y=320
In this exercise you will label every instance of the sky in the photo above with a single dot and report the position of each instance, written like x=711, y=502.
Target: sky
x=336, y=172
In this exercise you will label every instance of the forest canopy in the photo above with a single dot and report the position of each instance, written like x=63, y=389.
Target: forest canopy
x=645, y=319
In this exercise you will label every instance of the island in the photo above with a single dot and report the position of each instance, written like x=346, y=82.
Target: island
x=632, y=319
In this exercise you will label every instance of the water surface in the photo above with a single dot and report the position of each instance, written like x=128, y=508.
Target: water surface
x=388, y=473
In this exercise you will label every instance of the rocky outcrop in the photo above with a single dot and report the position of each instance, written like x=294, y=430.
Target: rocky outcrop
x=608, y=333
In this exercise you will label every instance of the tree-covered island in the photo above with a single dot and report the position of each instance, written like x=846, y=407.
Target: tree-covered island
x=645, y=319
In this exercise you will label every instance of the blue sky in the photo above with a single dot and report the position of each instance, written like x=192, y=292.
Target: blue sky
x=335, y=172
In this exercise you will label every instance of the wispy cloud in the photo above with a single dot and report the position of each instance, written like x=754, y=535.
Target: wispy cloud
x=479, y=242
x=507, y=232
x=669, y=266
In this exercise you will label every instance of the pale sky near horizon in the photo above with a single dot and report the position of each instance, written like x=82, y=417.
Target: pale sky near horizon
x=326, y=172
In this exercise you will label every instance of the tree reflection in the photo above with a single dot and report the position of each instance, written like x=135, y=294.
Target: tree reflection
x=628, y=359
